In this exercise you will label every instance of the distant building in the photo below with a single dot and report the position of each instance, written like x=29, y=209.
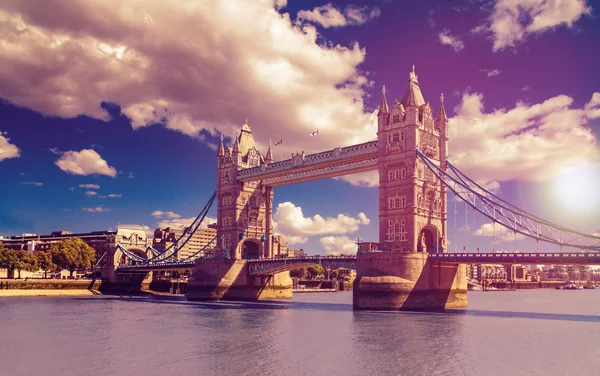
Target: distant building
x=279, y=246
x=196, y=246
x=104, y=243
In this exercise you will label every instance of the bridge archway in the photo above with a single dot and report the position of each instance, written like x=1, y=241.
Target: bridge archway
x=251, y=249
x=428, y=240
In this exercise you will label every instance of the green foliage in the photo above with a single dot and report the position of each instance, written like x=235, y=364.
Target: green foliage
x=73, y=254
x=334, y=274
x=298, y=273
x=12, y=260
x=315, y=271
x=44, y=261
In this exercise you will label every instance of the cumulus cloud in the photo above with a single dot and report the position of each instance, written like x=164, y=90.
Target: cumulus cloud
x=115, y=195
x=499, y=232
x=89, y=186
x=362, y=179
x=528, y=142
x=97, y=209
x=91, y=193
x=34, y=183
x=330, y=16
x=291, y=222
x=7, y=150
x=447, y=39
x=178, y=222
x=513, y=20
x=336, y=245
x=84, y=162
x=181, y=64
x=161, y=214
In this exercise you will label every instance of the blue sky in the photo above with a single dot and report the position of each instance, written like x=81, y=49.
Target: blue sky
x=137, y=108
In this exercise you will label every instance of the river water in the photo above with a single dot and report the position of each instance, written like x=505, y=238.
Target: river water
x=543, y=332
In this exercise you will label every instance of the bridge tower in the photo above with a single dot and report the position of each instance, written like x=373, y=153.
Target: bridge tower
x=244, y=210
x=412, y=213
x=412, y=202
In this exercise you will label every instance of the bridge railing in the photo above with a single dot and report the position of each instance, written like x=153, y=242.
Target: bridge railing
x=312, y=159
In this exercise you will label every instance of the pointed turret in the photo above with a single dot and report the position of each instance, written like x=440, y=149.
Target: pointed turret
x=412, y=95
x=269, y=158
x=221, y=147
x=442, y=114
x=236, y=145
x=383, y=108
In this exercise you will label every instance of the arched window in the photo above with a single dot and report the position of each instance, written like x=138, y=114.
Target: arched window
x=397, y=174
x=397, y=202
x=403, y=173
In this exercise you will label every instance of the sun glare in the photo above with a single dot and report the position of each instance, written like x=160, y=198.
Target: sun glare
x=577, y=191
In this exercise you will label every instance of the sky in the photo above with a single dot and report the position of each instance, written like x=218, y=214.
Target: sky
x=111, y=112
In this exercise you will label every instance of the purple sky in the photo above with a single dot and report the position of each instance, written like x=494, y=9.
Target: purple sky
x=111, y=111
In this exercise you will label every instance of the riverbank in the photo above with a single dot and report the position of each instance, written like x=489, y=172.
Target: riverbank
x=46, y=292
x=49, y=287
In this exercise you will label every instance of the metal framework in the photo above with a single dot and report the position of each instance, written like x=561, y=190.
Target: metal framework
x=167, y=255
x=506, y=214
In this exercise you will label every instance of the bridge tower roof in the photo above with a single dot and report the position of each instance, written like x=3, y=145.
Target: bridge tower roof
x=412, y=95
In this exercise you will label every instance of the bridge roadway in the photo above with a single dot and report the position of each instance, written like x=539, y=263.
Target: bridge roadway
x=263, y=266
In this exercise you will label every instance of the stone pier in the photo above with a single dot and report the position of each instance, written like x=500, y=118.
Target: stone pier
x=407, y=281
x=227, y=279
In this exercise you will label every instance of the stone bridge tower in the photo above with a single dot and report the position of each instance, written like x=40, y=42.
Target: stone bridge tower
x=412, y=202
x=244, y=210
x=412, y=214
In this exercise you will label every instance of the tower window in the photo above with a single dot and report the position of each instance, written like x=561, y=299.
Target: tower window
x=391, y=175
x=396, y=118
x=397, y=174
x=396, y=137
x=403, y=173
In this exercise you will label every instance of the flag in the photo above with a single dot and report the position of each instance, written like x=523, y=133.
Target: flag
x=315, y=133
x=279, y=142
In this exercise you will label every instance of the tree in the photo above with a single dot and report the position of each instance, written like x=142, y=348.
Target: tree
x=73, y=254
x=298, y=273
x=44, y=261
x=26, y=261
x=18, y=260
x=315, y=271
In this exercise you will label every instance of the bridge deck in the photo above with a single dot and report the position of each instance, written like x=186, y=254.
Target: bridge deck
x=279, y=264
x=330, y=163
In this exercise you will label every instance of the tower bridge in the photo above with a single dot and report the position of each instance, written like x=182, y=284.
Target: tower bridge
x=414, y=272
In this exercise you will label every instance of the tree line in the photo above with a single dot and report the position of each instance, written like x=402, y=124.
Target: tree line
x=69, y=254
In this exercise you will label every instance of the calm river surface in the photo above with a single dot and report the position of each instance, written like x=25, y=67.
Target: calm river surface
x=543, y=332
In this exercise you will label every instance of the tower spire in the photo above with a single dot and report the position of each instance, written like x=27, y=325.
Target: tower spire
x=221, y=147
x=236, y=144
x=383, y=108
x=442, y=114
x=269, y=158
x=412, y=95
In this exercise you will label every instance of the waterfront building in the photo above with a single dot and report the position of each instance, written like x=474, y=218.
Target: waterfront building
x=103, y=242
x=193, y=248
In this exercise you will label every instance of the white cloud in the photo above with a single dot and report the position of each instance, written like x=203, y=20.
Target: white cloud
x=296, y=239
x=131, y=175
x=492, y=72
x=61, y=59
x=498, y=232
x=330, y=16
x=452, y=41
x=336, y=245
x=115, y=195
x=161, y=214
x=89, y=186
x=97, y=209
x=34, y=183
x=91, y=193
x=71, y=188
x=362, y=179
x=490, y=185
x=529, y=142
x=513, y=20
x=84, y=162
x=178, y=222
x=7, y=150
x=290, y=221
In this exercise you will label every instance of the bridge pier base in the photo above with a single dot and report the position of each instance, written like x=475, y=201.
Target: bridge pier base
x=408, y=281
x=225, y=279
